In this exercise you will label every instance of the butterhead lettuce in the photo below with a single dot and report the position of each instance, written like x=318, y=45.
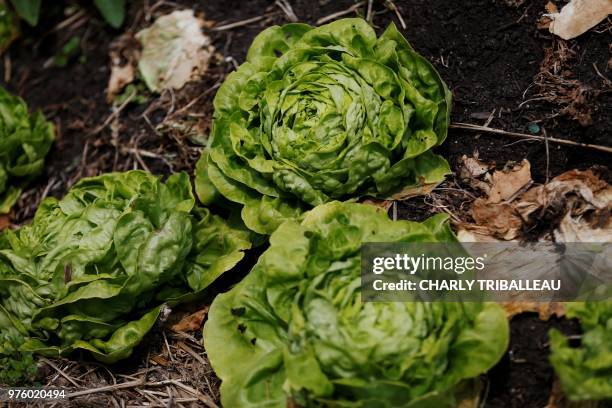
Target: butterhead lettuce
x=322, y=114
x=94, y=269
x=25, y=140
x=295, y=331
x=585, y=371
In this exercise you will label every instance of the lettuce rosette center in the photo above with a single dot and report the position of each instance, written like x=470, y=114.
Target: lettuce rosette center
x=322, y=114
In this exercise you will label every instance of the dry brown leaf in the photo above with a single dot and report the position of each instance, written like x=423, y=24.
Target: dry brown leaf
x=501, y=220
x=551, y=7
x=472, y=167
x=384, y=204
x=579, y=202
x=472, y=171
x=507, y=183
x=414, y=191
x=120, y=76
x=576, y=229
x=545, y=310
x=5, y=222
x=579, y=16
x=192, y=322
x=475, y=233
x=160, y=360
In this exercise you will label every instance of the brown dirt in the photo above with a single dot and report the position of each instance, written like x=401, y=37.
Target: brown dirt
x=490, y=53
x=524, y=377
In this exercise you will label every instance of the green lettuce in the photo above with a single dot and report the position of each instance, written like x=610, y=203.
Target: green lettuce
x=295, y=329
x=322, y=114
x=9, y=29
x=25, y=140
x=585, y=372
x=94, y=270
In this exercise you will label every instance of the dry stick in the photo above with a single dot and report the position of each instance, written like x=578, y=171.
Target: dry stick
x=7, y=68
x=59, y=370
x=192, y=353
x=113, y=115
x=333, y=16
x=477, y=128
x=391, y=6
x=369, y=12
x=130, y=384
x=285, y=6
x=547, y=155
x=240, y=23
x=68, y=21
x=202, y=397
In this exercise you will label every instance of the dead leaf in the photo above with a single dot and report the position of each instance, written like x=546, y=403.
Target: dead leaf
x=192, y=322
x=475, y=233
x=174, y=50
x=472, y=171
x=161, y=361
x=501, y=220
x=579, y=16
x=507, y=183
x=577, y=203
x=473, y=167
x=5, y=222
x=384, y=204
x=551, y=7
x=413, y=191
x=544, y=310
x=120, y=76
x=578, y=230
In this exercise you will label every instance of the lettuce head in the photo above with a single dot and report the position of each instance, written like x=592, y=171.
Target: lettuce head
x=94, y=269
x=25, y=140
x=585, y=371
x=295, y=330
x=322, y=114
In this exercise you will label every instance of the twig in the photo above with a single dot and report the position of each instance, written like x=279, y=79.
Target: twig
x=547, y=154
x=606, y=80
x=369, y=13
x=130, y=384
x=204, y=398
x=192, y=353
x=168, y=346
x=113, y=115
x=59, y=370
x=391, y=6
x=285, y=6
x=68, y=21
x=7, y=68
x=333, y=16
x=486, y=129
x=241, y=23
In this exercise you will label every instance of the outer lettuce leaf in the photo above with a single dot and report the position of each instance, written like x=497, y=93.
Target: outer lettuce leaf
x=586, y=371
x=322, y=114
x=94, y=269
x=25, y=140
x=298, y=327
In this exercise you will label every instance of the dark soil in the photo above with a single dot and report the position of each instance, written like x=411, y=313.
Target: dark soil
x=524, y=377
x=490, y=53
